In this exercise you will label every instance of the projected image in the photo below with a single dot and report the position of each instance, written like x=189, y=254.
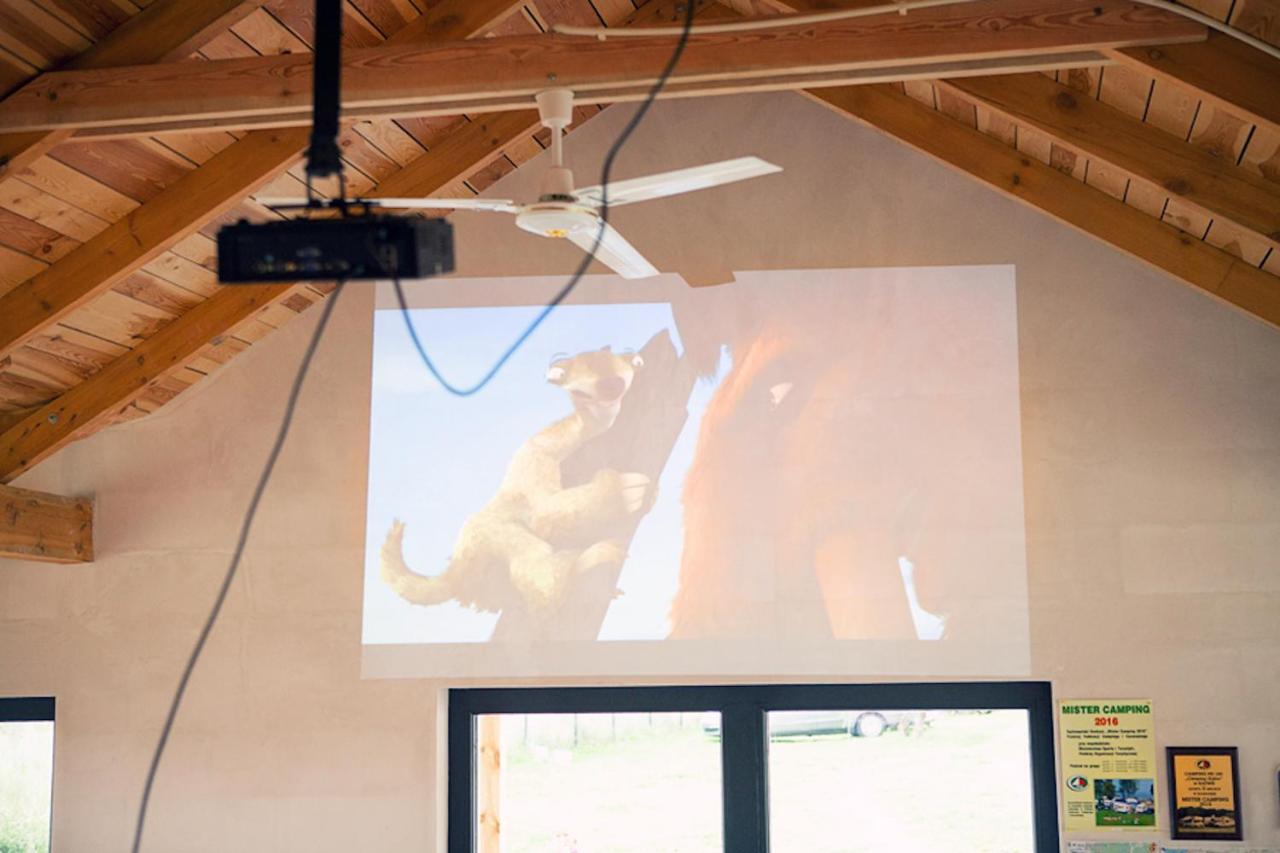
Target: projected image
x=822, y=466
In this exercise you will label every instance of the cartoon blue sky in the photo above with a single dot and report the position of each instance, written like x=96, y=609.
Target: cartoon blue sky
x=434, y=459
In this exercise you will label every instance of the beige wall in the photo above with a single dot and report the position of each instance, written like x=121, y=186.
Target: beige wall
x=1151, y=430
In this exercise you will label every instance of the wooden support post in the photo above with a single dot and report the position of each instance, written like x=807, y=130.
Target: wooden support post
x=48, y=528
x=489, y=784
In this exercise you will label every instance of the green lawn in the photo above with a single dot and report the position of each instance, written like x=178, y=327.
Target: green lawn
x=633, y=787
x=26, y=771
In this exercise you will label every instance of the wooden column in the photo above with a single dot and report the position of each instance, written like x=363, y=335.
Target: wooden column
x=49, y=528
x=489, y=784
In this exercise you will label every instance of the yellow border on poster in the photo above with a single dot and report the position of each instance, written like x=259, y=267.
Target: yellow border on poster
x=1108, y=767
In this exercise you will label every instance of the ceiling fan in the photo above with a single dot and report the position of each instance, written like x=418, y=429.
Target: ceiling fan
x=574, y=214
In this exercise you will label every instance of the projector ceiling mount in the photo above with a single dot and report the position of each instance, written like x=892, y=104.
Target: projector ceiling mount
x=561, y=210
x=352, y=247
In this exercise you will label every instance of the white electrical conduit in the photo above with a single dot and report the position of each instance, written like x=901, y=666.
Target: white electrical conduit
x=902, y=8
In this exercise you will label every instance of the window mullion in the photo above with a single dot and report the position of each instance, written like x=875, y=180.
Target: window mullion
x=745, y=768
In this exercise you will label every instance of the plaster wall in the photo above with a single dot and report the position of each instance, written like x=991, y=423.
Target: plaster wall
x=1151, y=441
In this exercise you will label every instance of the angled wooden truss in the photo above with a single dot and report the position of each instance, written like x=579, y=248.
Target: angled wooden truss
x=975, y=70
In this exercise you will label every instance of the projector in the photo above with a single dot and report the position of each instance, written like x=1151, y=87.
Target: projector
x=361, y=247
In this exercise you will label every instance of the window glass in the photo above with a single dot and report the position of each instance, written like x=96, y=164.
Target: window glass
x=598, y=783
x=26, y=785
x=908, y=781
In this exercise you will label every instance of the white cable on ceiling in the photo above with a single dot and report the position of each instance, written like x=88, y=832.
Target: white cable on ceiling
x=1214, y=24
x=902, y=7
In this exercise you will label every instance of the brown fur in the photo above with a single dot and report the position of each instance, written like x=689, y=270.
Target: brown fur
x=794, y=518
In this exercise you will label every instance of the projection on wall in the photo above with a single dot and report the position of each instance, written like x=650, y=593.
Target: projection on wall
x=809, y=472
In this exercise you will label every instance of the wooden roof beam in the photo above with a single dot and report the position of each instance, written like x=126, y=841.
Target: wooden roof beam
x=504, y=73
x=1091, y=211
x=1224, y=70
x=83, y=407
x=163, y=32
x=195, y=198
x=1084, y=124
x=48, y=528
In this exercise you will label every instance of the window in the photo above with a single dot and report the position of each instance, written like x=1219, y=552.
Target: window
x=26, y=774
x=749, y=769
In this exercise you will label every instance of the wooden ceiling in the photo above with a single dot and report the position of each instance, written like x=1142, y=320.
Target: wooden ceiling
x=1154, y=138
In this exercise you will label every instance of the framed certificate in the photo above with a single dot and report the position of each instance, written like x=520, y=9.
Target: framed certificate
x=1204, y=793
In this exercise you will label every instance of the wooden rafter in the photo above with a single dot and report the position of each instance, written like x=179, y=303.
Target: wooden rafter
x=143, y=234
x=163, y=32
x=48, y=528
x=83, y=407
x=1224, y=70
x=504, y=73
x=1061, y=196
x=195, y=198
x=80, y=409
x=1081, y=123
x=1044, y=187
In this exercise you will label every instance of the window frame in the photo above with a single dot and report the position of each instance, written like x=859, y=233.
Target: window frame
x=34, y=709
x=744, y=737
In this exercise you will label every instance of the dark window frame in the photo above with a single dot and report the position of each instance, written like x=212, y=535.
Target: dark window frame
x=744, y=740
x=27, y=709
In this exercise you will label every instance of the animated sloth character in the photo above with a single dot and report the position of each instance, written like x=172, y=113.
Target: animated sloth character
x=524, y=547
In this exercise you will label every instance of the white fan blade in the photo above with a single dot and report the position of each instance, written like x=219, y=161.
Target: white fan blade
x=499, y=205
x=614, y=251
x=677, y=182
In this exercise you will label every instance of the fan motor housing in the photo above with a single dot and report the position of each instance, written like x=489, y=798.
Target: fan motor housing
x=557, y=218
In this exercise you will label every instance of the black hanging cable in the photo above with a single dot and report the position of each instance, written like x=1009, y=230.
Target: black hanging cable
x=245, y=526
x=323, y=160
x=605, y=173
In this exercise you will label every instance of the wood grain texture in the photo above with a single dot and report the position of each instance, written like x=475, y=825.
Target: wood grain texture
x=177, y=211
x=128, y=377
x=469, y=148
x=1223, y=70
x=132, y=383
x=46, y=528
x=502, y=73
x=165, y=31
x=137, y=168
x=489, y=786
x=1213, y=184
x=143, y=234
x=1045, y=188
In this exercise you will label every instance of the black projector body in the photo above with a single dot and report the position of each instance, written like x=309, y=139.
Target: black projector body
x=361, y=247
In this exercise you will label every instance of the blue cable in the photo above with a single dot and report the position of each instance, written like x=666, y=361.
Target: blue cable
x=605, y=173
